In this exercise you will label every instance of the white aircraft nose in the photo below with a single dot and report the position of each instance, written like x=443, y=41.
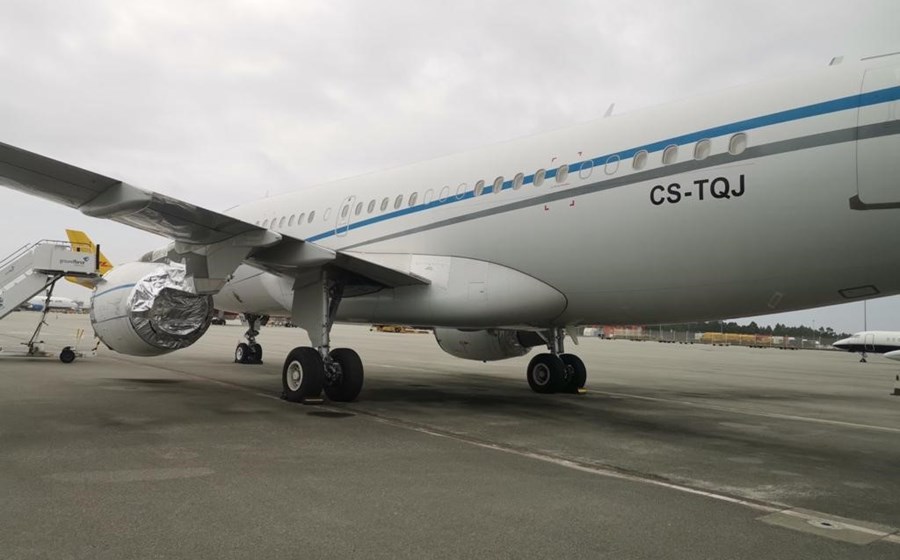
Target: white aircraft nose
x=895, y=355
x=842, y=344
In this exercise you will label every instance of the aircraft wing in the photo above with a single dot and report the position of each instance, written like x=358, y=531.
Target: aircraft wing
x=221, y=240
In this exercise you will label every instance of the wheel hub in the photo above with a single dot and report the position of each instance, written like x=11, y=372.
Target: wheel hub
x=333, y=372
x=541, y=374
x=294, y=376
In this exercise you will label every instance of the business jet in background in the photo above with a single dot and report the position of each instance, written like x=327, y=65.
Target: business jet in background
x=872, y=342
x=701, y=209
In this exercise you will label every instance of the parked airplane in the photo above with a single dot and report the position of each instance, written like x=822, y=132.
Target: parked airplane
x=872, y=342
x=699, y=209
x=37, y=303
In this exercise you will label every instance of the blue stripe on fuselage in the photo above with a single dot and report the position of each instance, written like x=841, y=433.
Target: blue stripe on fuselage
x=814, y=110
x=121, y=287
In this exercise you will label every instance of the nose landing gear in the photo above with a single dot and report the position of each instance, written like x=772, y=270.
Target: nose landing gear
x=251, y=352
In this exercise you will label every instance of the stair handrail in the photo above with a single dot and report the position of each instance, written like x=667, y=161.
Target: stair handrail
x=18, y=253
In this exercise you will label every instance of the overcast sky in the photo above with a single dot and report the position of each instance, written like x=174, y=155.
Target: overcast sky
x=220, y=102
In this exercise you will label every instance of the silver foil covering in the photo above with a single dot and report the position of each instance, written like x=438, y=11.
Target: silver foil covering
x=165, y=312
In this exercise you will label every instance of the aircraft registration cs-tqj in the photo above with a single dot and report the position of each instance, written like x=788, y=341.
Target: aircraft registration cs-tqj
x=766, y=198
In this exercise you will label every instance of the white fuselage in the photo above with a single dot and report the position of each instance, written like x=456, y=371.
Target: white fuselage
x=774, y=197
x=872, y=342
x=56, y=302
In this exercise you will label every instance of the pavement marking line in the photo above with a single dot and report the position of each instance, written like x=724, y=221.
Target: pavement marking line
x=754, y=413
x=884, y=533
x=846, y=523
x=609, y=471
x=831, y=527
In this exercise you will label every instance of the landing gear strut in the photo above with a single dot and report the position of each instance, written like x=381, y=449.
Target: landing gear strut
x=556, y=371
x=308, y=370
x=250, y=352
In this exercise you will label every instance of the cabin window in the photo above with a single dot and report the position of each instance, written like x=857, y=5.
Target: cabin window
x=384, y=203
x=312, y=216
x=562, y=173
x=737, y=144
x=344, y=210
x=670, y=155
x=612, y=165
x=371, y=207
x=327, y=214
x=445, y=194
x=539, y=177
x=702, y=149
x=585, y=169
x=428, y=197
x=359, y=208
x=498, y=185
x=413, y=198
x=398, y=202
x=461, y=191
x=517, y=181
x=291, y=220
x=479, y=188
x=640, y=160
x=281, y=221
x=265, y=223
x=300, y=218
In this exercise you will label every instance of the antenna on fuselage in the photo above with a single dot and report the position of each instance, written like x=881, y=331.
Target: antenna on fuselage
x=609, y=111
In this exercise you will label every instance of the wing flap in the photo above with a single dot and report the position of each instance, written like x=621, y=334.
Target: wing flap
x=291, y=257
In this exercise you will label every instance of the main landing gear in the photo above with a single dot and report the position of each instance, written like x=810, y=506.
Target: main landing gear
x=308, y=370
x=556, y=371
x=250, y=352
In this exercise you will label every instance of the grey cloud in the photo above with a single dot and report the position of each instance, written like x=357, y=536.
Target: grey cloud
x=220, y=102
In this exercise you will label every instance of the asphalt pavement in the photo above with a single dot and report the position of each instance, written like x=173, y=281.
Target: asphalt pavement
x=676, y=451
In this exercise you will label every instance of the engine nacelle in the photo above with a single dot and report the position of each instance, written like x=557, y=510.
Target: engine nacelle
x=487, y=345
x=148, y=309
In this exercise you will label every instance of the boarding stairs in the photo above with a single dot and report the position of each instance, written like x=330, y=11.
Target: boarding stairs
x=36, y=267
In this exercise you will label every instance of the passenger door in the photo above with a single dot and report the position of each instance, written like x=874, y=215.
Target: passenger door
x=869, y=344
x=878, y=146
x=344, y=216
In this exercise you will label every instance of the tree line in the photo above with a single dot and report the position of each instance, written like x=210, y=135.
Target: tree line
x=752, y=328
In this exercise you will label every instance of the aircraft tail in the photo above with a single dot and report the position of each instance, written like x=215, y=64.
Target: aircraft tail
x=82, y=243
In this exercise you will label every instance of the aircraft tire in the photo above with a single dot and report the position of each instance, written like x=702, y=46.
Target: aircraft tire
x=67, y=356
x=256, y=354
x=241, y=353
x=351, y=378
x=302, y=375
x=576, y=372
x=545, y=373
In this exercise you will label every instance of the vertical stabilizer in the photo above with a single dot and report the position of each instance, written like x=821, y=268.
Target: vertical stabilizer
x=83, y=244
